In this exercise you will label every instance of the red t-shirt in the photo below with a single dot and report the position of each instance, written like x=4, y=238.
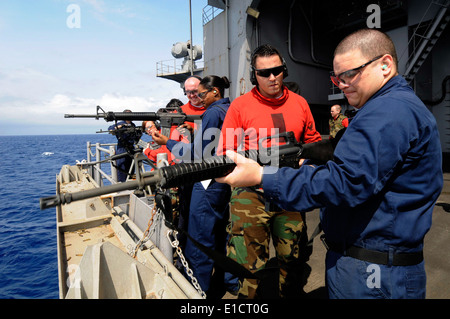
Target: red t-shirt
x=260, y=117
x=187, y=109
x=152, y=154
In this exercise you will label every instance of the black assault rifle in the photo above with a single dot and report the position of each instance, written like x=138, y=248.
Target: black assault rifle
x=124, y=130
x=287, y=154
x=167, y=117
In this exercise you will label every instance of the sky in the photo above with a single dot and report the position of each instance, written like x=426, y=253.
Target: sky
x=68, y=56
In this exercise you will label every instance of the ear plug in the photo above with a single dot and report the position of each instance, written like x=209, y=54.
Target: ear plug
x=384, y=67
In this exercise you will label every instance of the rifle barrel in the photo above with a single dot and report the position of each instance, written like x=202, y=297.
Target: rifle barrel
x=175, y=175
x=165, y=177
x=150, y=178
x=137, y=116
x=148, y=116
x=97, y=116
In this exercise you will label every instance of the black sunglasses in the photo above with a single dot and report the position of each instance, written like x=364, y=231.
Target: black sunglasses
x=265, y=73
x=203, y=94
x=346, y=76
x=194, y=92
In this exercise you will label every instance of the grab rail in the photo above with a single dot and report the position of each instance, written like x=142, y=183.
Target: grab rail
x=96, y=170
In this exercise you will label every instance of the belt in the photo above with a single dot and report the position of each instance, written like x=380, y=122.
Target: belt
x=376, y=257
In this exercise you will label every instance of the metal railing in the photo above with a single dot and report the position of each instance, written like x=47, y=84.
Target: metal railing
x=174, y=66
x=168, y=67
x=425, y=35
x=102, y=168
x=96, y=170
x=209, y=13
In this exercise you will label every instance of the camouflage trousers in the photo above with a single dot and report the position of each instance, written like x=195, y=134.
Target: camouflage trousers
x=252, y=227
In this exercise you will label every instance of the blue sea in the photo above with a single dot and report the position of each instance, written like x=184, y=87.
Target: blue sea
x=28, y=254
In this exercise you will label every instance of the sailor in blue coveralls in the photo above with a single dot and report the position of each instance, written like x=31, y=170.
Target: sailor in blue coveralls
x=209, y=208
x=125, y=144
x=377, y=195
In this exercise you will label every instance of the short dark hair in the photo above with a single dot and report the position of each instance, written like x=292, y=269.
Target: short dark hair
x=264, y=50
x=214, y=81
x=370, y=42
x=174, y=103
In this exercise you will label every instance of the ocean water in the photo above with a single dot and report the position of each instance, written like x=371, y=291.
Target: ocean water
x=28, y=254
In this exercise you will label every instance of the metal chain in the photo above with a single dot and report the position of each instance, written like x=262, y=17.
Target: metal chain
x=175, y=244
x=146, y=235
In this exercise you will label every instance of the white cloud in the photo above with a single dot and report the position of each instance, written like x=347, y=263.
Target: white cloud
x=108, y=14
x=109, y=102
x=27, y=91
x=98, y=5
x=25, y=82
x=47, y=72
x=49, y=114
x=33, y=98
x=61, y=104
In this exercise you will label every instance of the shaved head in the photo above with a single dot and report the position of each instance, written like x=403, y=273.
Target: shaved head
x=370, y=42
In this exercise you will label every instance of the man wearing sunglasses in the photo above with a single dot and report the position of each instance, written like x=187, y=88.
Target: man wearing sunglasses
x=267, y=110
x=194, y=105
x=378, y=195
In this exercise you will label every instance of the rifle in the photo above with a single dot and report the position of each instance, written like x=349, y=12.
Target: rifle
x=167, y=117
x=124, y=130
x=288, y=154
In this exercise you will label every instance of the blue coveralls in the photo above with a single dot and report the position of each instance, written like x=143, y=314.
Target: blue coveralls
x=125, y=143
x=209, y=209
x=378, y=193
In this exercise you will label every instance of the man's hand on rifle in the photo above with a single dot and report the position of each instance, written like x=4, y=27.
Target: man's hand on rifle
x=184, y=128
x=159, y=138
x=246, y=173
